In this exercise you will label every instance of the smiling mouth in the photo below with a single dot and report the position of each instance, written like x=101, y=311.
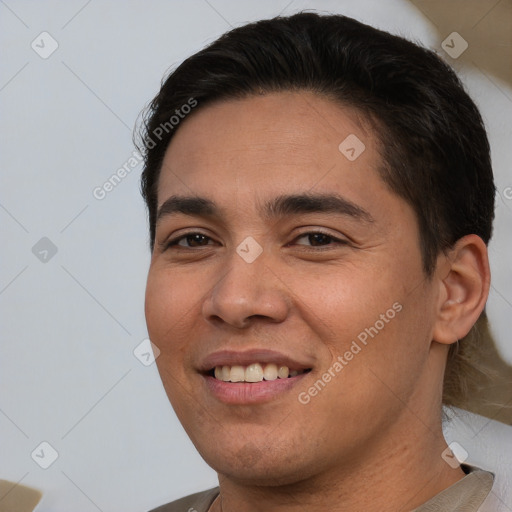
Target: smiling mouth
x=255, y=372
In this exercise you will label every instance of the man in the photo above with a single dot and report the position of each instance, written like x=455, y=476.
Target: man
x=320, y=200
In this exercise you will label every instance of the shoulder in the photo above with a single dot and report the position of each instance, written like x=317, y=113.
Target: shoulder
x=198, y=502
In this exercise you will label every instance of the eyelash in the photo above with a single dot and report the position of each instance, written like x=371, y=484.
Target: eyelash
x=174, y=242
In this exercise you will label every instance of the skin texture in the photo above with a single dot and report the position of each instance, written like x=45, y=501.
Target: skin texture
x=371, y=439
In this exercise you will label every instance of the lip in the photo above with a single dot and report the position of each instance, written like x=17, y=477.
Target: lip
x=243, y=393
x=247, y=357
x=250, y=393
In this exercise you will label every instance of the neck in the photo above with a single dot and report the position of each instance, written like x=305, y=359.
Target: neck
x=388, y=477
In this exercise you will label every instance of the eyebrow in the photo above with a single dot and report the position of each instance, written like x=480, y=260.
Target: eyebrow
x=280, y=206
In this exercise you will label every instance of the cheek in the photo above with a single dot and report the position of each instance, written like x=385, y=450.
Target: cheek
x=168, y=308
x=344, y=301
x=376, y=316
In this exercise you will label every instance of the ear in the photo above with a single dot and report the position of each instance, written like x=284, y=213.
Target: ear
x=464, y=280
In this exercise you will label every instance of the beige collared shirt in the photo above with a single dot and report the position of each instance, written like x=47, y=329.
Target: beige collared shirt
x=466, y=495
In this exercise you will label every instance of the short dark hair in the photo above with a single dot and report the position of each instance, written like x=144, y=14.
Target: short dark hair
x=434, y=147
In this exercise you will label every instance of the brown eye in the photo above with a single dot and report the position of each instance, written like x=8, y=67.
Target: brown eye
x=196, y=239
x=319, y=239
x=190, y=240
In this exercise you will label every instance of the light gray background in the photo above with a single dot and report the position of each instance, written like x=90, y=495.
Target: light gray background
x=68, y=374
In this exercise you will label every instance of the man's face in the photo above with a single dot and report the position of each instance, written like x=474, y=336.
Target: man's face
x=337, y=293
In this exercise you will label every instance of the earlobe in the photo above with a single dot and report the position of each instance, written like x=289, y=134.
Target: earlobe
x=464, y=288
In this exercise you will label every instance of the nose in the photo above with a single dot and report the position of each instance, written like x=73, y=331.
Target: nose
x=246, y=293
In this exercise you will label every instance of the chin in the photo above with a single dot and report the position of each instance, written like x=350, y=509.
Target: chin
x=257, y=465
x=265, y=474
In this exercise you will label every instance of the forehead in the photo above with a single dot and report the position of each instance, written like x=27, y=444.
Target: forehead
x=268, y=145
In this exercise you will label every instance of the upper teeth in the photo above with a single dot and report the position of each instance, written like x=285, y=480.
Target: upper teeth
x=253, y=373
